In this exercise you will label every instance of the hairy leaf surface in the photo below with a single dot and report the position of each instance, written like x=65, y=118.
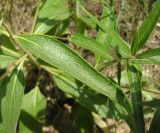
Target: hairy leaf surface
x=60, y=56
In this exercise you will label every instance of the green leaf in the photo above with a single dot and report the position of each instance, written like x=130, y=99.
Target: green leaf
x=57, y=54
x=60, y=29
x=124, y=47
x=78, y=8
x=33, y=112
x=151, y=56
x=6, y=60
x=7, y=48
x=51, y=14
x=94, y=102
x=89, y=99
x=88, y=22
x=151, y=60
x=149, y=53
x=135, y=84
x=1, y=21
x=80, y=25
x=145, y=62
x=8, y=53
x=147, y=27
x=109, y=22
x=85, y=19
x=154, y=127
x=90, y=44
x=11, y=95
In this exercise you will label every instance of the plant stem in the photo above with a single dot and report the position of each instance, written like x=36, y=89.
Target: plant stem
x=155, y=92
x=114, y=61
x=8, y=30
x=35, y=16
x=16, y=44
x=10, y=14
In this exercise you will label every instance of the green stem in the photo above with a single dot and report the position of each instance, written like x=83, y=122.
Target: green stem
x=35, y=16
x=118, y=60
x=16, y=44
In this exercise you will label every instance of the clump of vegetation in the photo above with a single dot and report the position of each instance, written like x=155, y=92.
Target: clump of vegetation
x=50, y=65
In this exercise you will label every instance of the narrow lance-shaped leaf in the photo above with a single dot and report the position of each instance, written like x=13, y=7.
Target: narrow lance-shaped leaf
x=149, y=53
x=57, y=54
x=6, y=60
x=94, y=102
x=152, y=60
x=80, y=25
x=124, y=47
x=11, y=95
x=51, y=14
x=33, y=112
x=135, y=83
x=109, y=22
x=78, y=4
x=147, y=27
x=90, y=44
x=7, y=47
x=151, y=56
x=86, y=20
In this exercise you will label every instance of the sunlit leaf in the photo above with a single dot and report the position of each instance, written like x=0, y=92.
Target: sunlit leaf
x=33, y=112
x=109, y=22
x=6, y=60
x=124, y=48
x=11, y=95
x=147, y=27
x=51, y=14
x=60, y=56
x=92, y=101
x=149, y=53
x=7, y=48
x=90, y=44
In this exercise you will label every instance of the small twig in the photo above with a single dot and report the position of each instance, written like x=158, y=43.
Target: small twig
x=10, y=14
x=61, y=38
x=151, y=91
x=35, y=16
x=12, y=36
x=114, y=61
x=104, y=126
x=16, y=44
x=8, y=30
